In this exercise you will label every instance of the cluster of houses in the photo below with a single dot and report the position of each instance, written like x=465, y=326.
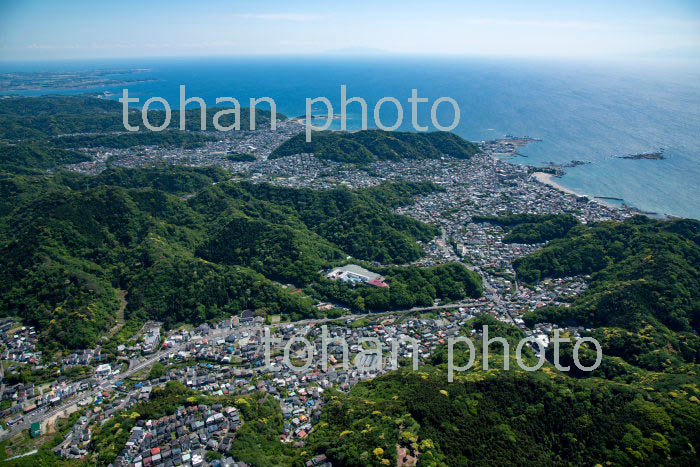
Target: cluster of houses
x=260, y=143
x=482, y=245
x=19, y=343
x=81, y=357
x=182, y=438
x=52, y=396
x=200, y=365
x=75, y=444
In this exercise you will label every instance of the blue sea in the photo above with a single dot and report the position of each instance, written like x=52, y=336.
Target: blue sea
x=580, y=110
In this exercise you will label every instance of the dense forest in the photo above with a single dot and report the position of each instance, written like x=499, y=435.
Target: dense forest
x=509, y=417
x=531, y=228
x=372, y=145
x=40, y=118
x=644, y=294
x=170, y=179
x=71, y=243
x=240, y=157
x=359, y=223
x=22, y=158
x=166, y=139
x=410, y=287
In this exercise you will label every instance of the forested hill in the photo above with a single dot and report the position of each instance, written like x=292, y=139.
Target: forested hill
x=644, y=294
x=512, y=417
x=69, y=242
x=506, y=418
x=23, y=118
x=23, y=157
x=531, y=228
x=372, y=145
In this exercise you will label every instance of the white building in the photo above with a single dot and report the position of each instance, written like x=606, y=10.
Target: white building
x=103, y=370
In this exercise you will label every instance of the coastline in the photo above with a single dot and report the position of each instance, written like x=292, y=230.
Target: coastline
x=546, y=178
x=505, y=149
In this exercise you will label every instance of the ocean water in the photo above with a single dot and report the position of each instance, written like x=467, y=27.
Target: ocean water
x=581, y=111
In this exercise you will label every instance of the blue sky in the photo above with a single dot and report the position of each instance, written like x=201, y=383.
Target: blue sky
x=39, y=30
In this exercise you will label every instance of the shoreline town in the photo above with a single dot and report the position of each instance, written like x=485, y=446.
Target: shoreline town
x=226, y=358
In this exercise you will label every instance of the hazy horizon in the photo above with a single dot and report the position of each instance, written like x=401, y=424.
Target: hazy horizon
x=647, y=30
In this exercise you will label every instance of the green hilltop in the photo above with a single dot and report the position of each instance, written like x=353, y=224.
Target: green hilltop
x=47, y=117
x=531, y=228
x=644, y=294
x=70, y=243
x=372, y=145
x=512, y=417
x=187, y=245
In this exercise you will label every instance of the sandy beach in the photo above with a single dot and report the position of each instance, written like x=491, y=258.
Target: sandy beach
x=547, y=179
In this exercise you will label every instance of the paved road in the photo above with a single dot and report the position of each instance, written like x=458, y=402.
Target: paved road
x=138, y=365
x=43, y=416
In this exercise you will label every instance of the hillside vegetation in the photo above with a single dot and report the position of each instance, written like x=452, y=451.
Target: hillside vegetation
x=68, y=242
x=23, y=118
x=644, y=294
x=22, y=158
x=373, y=145
x=166, y=139
x=509, y=417
x=531, y=228
x=186, y=245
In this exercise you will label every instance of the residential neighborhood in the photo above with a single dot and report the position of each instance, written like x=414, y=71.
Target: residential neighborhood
x=229, y=357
